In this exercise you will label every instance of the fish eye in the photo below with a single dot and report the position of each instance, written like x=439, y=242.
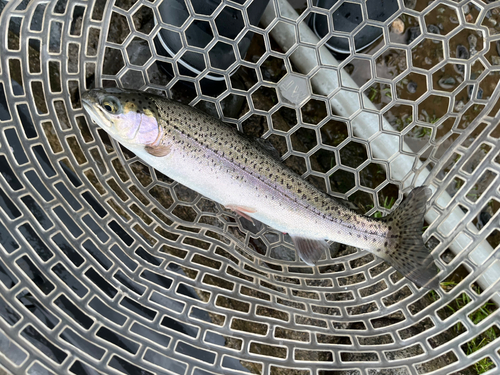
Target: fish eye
x=110, y=105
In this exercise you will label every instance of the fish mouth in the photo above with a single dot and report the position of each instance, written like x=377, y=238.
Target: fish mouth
x=87, y=97
x=87, y=105
x=96, y=114
x=88, y=102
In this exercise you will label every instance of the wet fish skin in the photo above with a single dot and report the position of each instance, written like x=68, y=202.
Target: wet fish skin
x=215, y=160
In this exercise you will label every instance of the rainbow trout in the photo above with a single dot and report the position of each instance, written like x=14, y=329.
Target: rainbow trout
x=218, y=162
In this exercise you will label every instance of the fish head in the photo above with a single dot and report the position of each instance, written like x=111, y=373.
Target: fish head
x=129, y=116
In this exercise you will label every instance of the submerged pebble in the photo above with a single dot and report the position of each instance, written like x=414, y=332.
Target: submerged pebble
x=458, y=107
x=413, y=33
x=447, y=83
x=472, y=44
x=398, y=26
x=462, y=52
x=412, y=87
x=433, y=29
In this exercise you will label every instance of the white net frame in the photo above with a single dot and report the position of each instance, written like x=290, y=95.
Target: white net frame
x=107, y=266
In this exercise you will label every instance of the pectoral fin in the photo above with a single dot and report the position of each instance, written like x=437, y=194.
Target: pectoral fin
x=157, y=150
x=309, y=250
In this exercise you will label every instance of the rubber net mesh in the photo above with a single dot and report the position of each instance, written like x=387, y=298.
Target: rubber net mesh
x=108, y=266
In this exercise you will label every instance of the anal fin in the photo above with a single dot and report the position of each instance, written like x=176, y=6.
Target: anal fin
x=310, y=250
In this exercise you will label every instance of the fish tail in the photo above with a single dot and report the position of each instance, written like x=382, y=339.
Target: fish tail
x=405, y=249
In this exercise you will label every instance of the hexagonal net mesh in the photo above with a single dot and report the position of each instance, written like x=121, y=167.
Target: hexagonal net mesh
x=108, y=266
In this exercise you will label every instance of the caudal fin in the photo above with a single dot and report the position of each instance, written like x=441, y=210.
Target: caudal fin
x=405, y=249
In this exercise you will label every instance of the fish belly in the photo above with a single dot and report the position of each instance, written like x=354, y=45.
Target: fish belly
x=230, y=185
